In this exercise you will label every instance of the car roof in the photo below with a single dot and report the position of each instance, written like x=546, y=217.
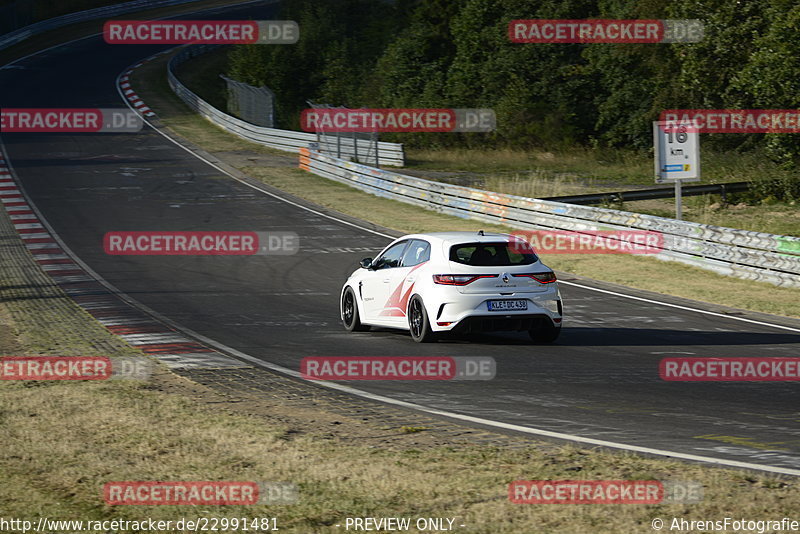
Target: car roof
x=460, y=237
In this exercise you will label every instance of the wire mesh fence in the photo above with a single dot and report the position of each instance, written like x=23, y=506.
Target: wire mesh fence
x=365, y=149
x=255, y=105
x=355, y=146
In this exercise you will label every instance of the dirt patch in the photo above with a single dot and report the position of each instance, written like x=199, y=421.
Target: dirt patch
x=8, y=334
x=247, y=158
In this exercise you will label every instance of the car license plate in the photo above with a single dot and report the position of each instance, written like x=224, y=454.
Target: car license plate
x=507, y=305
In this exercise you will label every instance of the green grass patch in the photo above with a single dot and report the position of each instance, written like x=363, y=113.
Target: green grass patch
x=202, y=75
x=780, y=218
x=595, y=167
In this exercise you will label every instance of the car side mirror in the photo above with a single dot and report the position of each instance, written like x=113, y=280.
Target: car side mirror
x=366, y=263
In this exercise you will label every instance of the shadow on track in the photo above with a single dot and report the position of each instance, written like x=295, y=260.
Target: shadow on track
x=620, y=337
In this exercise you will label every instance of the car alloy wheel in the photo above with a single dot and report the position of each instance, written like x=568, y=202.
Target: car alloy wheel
x=350, y=317
x=418, y=323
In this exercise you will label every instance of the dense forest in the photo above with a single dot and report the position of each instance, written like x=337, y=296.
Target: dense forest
x=446, y=53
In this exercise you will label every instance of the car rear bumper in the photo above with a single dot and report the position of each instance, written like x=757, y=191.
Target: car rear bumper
x=506, y=323
x=470, y=313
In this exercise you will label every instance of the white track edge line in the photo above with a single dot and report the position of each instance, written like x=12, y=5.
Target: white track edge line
x=366, y=394
x=433, y=411
x=687, y=308
x=696, y=310
x=252, y=186
x=761, y=323
x=487, y=422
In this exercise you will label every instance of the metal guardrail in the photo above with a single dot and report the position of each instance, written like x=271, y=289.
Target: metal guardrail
x=287, y=140
x=659, y=192
x=14, y=37
x=744, y=254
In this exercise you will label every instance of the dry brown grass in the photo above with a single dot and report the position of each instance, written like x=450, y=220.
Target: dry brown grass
x=62, y=442
x=540, y=184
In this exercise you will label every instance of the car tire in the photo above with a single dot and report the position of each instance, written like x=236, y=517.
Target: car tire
x=349, y=311
x=418, y=323
x=545, y=332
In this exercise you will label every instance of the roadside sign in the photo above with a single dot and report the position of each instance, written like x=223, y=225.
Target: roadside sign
x=677, y=152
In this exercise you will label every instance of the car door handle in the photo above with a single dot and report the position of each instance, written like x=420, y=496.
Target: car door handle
x=410, y=279
x=386, y=280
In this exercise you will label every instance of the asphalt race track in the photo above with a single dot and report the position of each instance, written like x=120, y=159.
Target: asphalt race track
x=600, y=380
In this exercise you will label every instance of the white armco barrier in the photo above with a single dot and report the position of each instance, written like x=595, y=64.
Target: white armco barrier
x=750, y=255
x=288, y=140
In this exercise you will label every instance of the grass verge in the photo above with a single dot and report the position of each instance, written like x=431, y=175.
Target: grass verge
x=540, y=173
x=62, y=441
x=593, y=166
x=140, y=434
x=781, y=218
x=582, y=171
x=634, y=271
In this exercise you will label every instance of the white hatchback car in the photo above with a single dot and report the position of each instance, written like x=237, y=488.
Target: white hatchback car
x=454, y=282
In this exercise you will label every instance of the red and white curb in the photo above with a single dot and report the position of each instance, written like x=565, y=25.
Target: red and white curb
x=130, y=94
x=138, y=329
x=127, y=91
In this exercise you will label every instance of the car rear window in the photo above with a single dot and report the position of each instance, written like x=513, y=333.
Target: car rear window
x=493, y=254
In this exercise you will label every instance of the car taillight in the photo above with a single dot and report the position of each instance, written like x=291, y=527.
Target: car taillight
x=543, y=278
x=459, y=279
